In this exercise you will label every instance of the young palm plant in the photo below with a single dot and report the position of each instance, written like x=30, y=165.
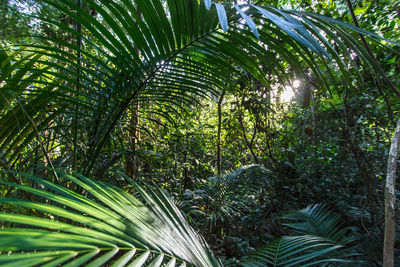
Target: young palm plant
x=227, y=196
x=322, y=241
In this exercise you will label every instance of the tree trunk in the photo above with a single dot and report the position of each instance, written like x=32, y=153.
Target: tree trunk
x=78, y=75
x=133, y=136
x=221, y=98
x=248, y=142
x=390, y=201
x=187, y=181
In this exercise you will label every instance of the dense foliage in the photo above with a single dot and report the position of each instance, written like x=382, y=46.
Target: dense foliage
x=204, y=133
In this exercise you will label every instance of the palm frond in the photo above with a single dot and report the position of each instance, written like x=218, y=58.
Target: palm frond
x=306, y=250
x=227, y=196
x=317, y=220
x=105, y=225
x=174, y=53
x=321, y=241
x=25, y=112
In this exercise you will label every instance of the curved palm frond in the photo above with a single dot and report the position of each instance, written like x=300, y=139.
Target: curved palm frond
x=323, y=241
x=25, y=111
x=229, y=195
x=173, y=53
x=317, y=220
x=103, y=225
x=252, y=176
x=306, y=250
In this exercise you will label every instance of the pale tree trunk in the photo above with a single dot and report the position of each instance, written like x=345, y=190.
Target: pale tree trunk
x=390, y=201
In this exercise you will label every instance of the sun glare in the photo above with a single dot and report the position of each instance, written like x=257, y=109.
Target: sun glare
x=296, y=84
x=288, y=93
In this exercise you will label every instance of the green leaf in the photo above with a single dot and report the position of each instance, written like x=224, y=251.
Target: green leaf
x=249, y=21
x=109, y=222
x=222, y=16
x=360, y=10
x=208, y=4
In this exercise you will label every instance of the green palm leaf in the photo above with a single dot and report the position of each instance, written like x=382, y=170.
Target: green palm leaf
x=323, y=241
x=304, y=250
x=317, y=220
x=105, y=225
x=171, y=54
x=229, y=195
x=24, y=111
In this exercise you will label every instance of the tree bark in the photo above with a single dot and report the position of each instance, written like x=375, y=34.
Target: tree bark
x=134, y=136
x=390, y=201
x=221, y=98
